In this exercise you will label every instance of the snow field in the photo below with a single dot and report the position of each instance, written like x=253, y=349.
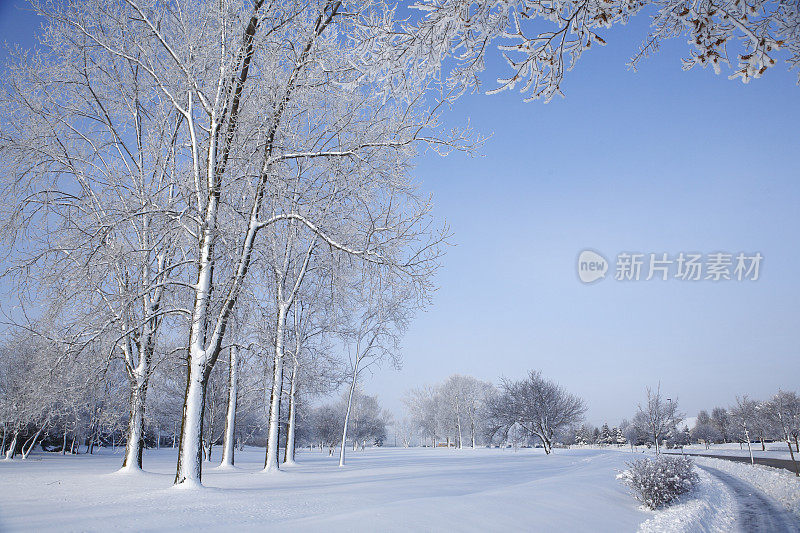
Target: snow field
x=390, y=489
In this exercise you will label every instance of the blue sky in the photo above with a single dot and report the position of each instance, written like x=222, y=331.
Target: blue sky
x=656, y=161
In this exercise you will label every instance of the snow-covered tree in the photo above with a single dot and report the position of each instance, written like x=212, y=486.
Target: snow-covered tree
x=89, y=153
x=537, y=404
x=423, y=406
x=605, y=435
x=743, y=416
x=314, y=369
x=405, y=430
x=721, y=421
x=326, y=427
x=657, y=418
x=705, y=433
x=540, y=43
x=320, y=112
x=784, y=411
x=373, y=337
x=464, y=400
x=617, y=435
x=632, y=433
x=367, y=422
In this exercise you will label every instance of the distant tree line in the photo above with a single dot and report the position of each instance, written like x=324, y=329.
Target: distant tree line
x=464, y=411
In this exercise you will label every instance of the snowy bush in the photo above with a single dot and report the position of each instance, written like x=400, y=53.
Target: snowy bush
x=656, y=482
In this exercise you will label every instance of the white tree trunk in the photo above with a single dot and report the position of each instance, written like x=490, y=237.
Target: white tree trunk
x=288, y=457
x=230, y=418
x=458, y=423
x=32, y=441
x=133, y=449
x=12, y=447
x=347, y=416
x=791, y=453
x=749, y=449
x=190, y=449
x=271, y=459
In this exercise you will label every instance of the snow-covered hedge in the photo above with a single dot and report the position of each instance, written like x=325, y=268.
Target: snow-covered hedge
x=656, y=482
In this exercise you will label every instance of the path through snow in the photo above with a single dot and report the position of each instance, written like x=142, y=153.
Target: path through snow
x=757, y=512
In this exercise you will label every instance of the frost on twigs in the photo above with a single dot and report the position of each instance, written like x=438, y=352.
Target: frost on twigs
x=746, y=35
x=656, y=482
x=539, y=40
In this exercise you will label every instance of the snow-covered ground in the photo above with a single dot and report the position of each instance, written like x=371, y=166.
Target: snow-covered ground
x=774, y=450
x=380, y=489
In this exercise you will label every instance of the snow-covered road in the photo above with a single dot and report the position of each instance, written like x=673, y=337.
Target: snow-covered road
x=756, y=511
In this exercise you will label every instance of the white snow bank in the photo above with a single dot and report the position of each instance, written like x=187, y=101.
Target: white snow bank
x=777, y=483
x=709, y=507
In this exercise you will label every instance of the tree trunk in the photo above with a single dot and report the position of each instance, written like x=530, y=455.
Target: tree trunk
x=749, y=449
x=64, y=442
x=189, y=468
x=271, y=459
x=135, y=444
x=472, y=431
x=230, y=418
x=32, y=441
x=347, y=414
x=791, y=453
x=12, y=448
x=458, y=425
x=288, y=456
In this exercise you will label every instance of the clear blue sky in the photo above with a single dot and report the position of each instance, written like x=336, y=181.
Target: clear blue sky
x=656, y=161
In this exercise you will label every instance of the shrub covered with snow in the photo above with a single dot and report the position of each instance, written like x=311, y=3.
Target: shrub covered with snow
x=656, y=482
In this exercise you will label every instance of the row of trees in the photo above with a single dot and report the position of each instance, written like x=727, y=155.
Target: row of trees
x=451, y=411
x=778, y=418
x=531, y=409
x=200, y=182
x=231, y=179
x=366, y=423
x=589, y=434
x=749, y=420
